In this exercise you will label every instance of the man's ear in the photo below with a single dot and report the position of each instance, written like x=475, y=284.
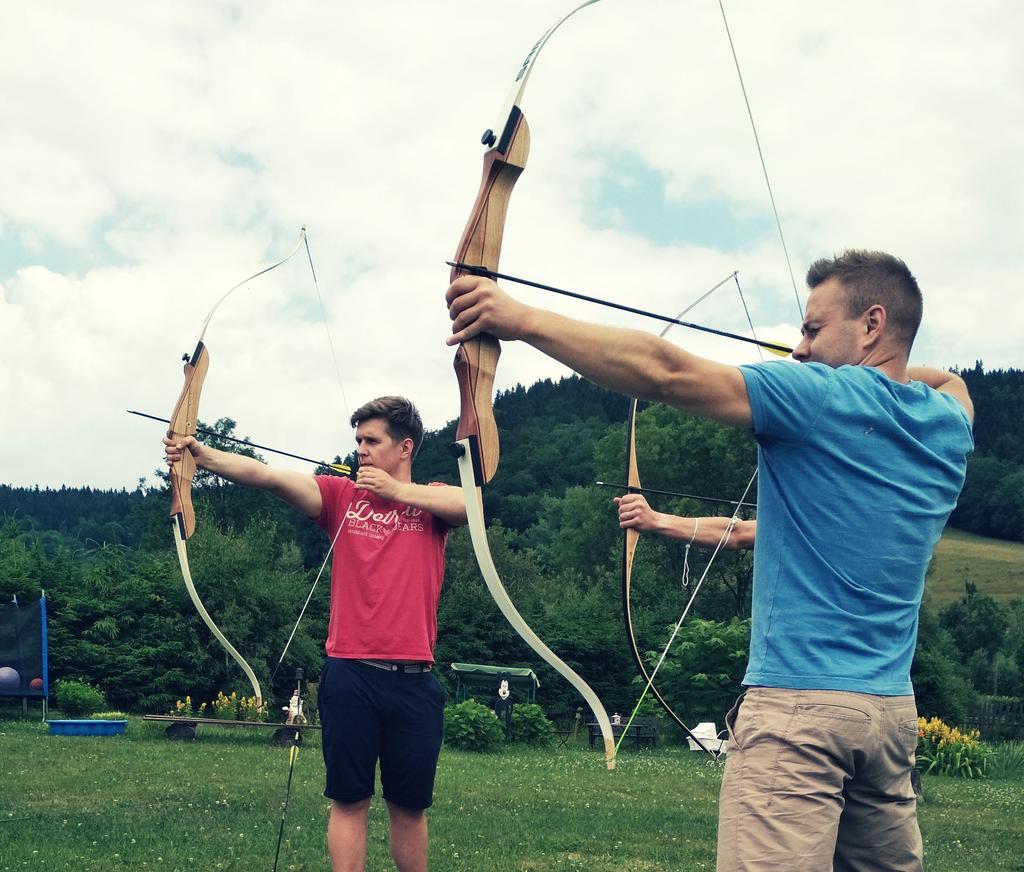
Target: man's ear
x=874, y=320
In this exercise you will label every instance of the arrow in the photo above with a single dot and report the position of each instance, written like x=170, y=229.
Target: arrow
x=774, y=347
x=339, y=468
x=651, y=490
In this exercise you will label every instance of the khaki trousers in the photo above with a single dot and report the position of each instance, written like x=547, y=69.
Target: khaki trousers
x=819, y=780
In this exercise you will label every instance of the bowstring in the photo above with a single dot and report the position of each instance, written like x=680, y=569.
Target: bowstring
x=344, y=400
x=760, y=154
x=327, y=325
x=309, y=597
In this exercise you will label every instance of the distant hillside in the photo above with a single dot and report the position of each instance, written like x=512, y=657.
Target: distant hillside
x=995, y=566
x=564, y=434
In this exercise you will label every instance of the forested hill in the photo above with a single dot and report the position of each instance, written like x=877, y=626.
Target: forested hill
x=85, y=514
x=999, y=411
x=555, y=435
x=992, y=502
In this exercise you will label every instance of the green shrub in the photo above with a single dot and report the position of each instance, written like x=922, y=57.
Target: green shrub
x=945, y=750
x=310, y=707
x=531, y=726
x=76, y=699
x=470, y=726
x=1008, y=760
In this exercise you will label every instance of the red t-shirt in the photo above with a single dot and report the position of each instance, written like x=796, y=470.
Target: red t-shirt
x=386, y=574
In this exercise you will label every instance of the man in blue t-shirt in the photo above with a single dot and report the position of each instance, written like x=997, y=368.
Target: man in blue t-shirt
x=860, y=461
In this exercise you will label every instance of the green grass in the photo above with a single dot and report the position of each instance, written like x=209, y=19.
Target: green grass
x=994, y=565
x=140, y=802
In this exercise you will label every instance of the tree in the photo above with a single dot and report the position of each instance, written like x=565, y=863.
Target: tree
x=976, y=622
x=940, y=683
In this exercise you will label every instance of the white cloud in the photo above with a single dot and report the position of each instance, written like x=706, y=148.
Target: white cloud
x=154, y=155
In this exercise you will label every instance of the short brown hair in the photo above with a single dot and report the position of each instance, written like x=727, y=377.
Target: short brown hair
x=874, y=277
x=399, y=414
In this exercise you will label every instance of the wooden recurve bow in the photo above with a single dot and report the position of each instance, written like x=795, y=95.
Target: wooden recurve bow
x=476, y=360
x=184, y=421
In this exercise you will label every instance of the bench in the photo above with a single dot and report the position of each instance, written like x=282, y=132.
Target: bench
x=187, y=728
x=643, y=732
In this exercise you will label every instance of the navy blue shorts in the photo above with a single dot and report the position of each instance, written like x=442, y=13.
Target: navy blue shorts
x=370, y=714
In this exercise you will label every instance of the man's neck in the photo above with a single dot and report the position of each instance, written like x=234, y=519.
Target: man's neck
x=892, y=366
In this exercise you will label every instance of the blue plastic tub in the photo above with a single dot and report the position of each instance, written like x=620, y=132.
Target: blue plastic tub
x=87, y=728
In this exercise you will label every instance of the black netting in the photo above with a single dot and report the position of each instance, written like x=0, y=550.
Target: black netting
x=23, y=649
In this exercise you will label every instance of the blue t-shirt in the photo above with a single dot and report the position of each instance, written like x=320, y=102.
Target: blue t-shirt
x=857, y=475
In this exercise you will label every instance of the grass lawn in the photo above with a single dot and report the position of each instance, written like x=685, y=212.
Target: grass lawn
x=141, y=802
x=994, y=565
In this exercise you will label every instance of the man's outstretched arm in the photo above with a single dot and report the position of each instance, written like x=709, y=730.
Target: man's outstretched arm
x=635, y=513
x=628, y=361
x=298, y=489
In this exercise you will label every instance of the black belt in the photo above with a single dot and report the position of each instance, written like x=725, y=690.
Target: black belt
x=392, y=666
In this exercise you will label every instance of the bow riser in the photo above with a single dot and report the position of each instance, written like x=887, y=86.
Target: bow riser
x=183, y=422
x=477, y=359
x=631, y=535
x=501, y=170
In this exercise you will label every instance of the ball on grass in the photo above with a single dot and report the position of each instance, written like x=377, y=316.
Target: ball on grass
x=9, y=678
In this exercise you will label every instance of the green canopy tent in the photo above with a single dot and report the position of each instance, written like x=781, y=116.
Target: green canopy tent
x=470, y=676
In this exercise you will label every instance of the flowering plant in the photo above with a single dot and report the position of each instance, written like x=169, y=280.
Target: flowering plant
x=185, y=709
x=250, y=709
x=945, y=750
x=226, y=707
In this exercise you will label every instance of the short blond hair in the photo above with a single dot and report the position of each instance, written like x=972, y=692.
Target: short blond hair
x=874, y=277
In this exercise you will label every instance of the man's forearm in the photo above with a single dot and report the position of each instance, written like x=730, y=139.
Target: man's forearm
x=618, y=359
x=708, y=532
x=934, y=378
x=638, y=364
x=944, y=382
x=445, y=502
x=235, y=468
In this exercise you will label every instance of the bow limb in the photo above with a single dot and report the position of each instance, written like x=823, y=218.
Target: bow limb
x=478, y=534
x=476, y=360
x=186, y=574
x=631, y=537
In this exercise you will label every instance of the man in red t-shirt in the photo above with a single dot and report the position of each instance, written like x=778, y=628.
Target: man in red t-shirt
x=378, y=697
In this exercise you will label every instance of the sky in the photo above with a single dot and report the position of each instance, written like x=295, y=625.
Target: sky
x=154, y=155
